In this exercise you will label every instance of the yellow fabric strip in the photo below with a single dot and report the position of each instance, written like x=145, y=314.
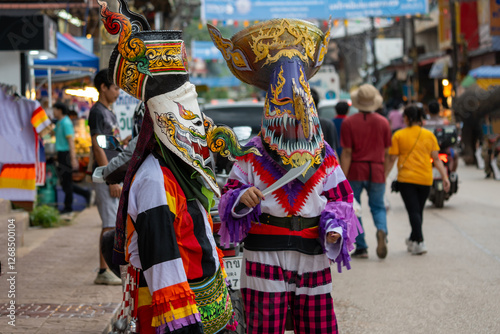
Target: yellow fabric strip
x=6, y=182
x=179, y=313
x=145, y=298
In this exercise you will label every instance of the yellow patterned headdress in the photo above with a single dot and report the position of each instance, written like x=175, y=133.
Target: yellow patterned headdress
x=280, y=56
x=251, y=53
x=144, y=60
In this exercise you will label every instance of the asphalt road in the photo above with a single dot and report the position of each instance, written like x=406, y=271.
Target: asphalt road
x=454, y=288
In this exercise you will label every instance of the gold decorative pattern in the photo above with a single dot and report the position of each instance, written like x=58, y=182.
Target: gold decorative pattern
x=226, y=47
x=223, y=140
x=324, y=45
x=298, y=159
x=127, y=77
x=252, y=52
x=283, y=38
x=163, y=58
x=276, y=91
x=166, y=57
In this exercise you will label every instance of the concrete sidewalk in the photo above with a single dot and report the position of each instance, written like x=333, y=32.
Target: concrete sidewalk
x=54, y=291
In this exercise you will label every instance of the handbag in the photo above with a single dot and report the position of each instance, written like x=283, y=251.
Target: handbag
x=395, y=186
x=395, y=183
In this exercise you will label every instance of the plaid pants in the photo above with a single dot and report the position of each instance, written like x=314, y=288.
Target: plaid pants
x=274, y=282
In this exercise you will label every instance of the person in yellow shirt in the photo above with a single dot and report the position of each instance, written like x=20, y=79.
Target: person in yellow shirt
x=413, y=147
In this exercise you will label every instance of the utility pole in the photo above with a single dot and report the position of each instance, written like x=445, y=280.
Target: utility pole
x=414, y=58
x=403, y=35
x=454, y=51
x=372, y=37
x=346, y=60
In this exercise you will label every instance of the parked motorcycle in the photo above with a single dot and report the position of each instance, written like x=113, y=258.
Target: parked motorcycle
x=447, y=138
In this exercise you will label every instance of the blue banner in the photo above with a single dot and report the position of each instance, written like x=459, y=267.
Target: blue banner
x=376, y=8
x=205, y=50
x=250, y=10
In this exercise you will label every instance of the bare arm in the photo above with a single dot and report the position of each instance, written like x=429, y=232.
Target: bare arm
x=389, y=163
x=126, y=140
x=115, y=190
x=99, y=154
x=72, y=151
x=440, y=167
x=345, y=160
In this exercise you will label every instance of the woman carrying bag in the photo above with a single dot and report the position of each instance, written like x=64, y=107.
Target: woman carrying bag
x=414, y=147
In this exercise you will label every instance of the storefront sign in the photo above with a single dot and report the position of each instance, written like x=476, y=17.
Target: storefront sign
x=312, y=9
x=25, y=33
x=495, y=17
x=124, y=108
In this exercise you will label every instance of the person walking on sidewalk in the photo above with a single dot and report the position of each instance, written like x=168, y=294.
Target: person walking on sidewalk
x=413, y=147
x=102, y=121
x=365, y=139
x=342, y=109
x=66, y=157
x=327, y=126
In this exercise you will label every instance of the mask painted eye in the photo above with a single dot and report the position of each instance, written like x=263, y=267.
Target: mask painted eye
x=185, y=113
x=198, y=123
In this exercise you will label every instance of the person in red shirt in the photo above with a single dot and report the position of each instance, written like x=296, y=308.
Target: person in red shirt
x=365, y=138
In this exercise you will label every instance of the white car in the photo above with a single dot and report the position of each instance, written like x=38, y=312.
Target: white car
x=326, y=108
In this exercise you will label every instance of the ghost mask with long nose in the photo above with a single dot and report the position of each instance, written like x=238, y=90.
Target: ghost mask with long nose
x=280, y=56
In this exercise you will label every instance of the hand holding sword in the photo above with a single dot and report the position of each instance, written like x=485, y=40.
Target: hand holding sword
x=253, y=195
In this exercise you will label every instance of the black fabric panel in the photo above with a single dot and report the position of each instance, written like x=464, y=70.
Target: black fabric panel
x=260, y=242
x=191, y=329
x=156, y=236
x=207, y=260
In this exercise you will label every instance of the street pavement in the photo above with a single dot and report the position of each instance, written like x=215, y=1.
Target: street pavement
x=54, y=290
x=454, y=288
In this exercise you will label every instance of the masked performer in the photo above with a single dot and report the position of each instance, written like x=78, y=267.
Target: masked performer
x=164, y=230
x=292, y=234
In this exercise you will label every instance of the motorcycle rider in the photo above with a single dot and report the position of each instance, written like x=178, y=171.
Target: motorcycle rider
x=436, y=120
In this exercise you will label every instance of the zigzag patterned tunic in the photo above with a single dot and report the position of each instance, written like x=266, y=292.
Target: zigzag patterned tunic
x=289, y=266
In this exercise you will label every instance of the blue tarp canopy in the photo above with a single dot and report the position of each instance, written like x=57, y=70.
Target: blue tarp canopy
x=69, y=53
x=485, y=72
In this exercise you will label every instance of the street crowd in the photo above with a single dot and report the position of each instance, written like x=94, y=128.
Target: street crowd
x=159, y=212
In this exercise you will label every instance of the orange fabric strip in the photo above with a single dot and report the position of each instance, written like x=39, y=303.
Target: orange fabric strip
x=18, y=171
x=39, y=116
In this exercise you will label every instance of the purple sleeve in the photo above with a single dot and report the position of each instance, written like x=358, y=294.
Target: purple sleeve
x=235, y=229
x=340, y=214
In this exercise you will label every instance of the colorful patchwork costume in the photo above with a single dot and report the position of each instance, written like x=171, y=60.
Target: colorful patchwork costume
x=163, y=229
x=286, y=256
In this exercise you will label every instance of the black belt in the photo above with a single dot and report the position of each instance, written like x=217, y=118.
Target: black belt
x=369, y=166
x=294, y=223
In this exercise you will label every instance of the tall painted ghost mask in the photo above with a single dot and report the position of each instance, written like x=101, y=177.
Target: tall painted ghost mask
x=152, y=66
x=280, y=56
